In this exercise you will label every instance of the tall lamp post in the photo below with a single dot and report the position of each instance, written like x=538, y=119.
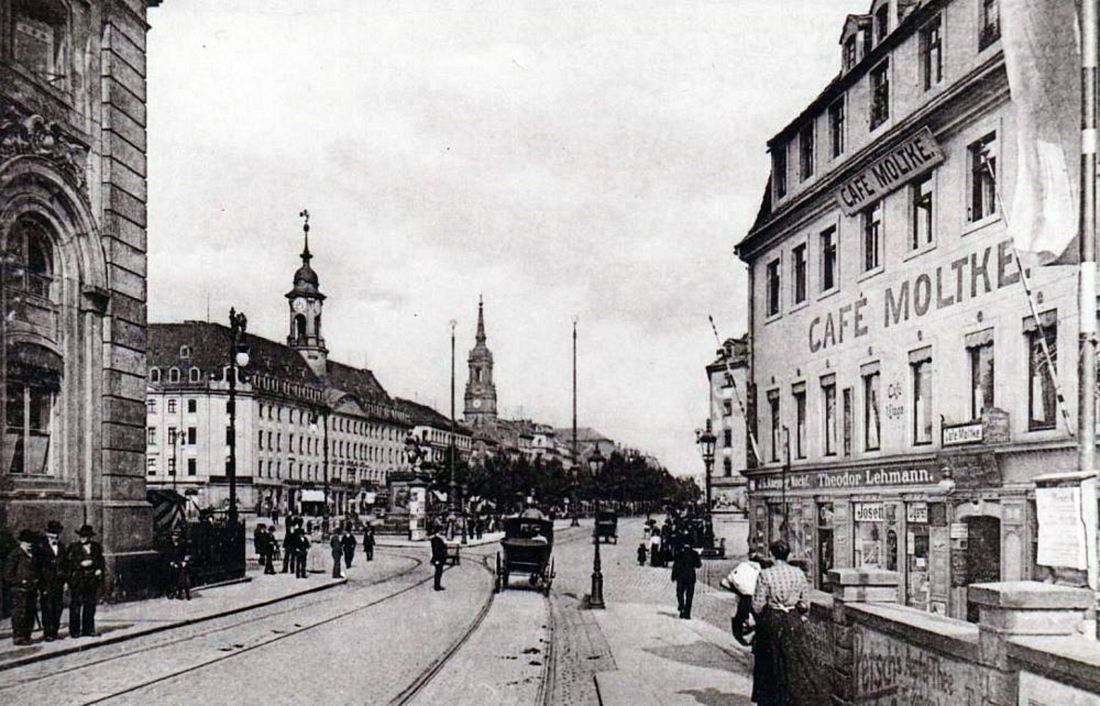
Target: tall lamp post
x=451, y=447
x=175, y=441
x=574, y=522
x=238, y=358
x=706, y=440
x=595, y=600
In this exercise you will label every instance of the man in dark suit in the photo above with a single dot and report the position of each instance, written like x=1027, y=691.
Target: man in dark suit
x=349, y=548
x=301, y=551
x=336, y=544
x=289, y=551
x=683, y=573
x=439, y=557
x=51, y=570
x=21, y=576
x=87, y=568
x=368, y=543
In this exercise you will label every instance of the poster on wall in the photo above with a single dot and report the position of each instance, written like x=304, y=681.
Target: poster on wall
x=1036, y=690
x=1061, y=527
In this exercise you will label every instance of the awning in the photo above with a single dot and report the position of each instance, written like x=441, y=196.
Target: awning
x=313, y=496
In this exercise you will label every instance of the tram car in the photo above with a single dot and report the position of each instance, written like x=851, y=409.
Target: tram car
x=607, y=526
x=526, y=548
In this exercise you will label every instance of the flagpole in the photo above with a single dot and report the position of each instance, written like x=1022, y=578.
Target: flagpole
x=1086, y=366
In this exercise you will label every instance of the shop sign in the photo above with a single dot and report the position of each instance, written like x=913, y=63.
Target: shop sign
x=1061, y=527
x=869, y=512
x=959, y=530
x=958, y=434
x=917, y=513
x=973, y=470
x=919, y=474
x=918, y=154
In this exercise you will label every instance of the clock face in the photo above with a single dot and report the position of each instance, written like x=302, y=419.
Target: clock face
x=300, y=305
x=477, y=404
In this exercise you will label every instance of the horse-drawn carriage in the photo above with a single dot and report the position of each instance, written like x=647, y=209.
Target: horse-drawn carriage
x=527, y=547
x=607, y=526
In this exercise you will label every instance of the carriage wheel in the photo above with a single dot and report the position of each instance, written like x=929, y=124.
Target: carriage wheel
x=549, y=579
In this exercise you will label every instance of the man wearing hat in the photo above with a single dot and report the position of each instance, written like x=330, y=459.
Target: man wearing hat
x=21, y=575
x=86, y=566
x=51, y=575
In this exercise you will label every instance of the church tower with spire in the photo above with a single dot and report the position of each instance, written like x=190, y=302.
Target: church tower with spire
x=306, y=302
x=481, y=393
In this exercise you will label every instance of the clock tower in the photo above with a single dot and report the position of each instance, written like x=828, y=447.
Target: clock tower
x=481, y=393
x=306, y=301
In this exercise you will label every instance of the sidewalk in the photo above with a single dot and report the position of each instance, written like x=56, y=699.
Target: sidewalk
x=663, y=660
x=123, y=621
x=393, y=540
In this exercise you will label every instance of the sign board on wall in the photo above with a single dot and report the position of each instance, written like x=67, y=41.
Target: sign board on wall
x=958, y=434
x=918, y=474
x=917, y=513
x=869, y=512
x=1061, y=527
x=916, y=155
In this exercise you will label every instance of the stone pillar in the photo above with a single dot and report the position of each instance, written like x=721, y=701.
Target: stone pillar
x=1013, y=608
x=853, y=586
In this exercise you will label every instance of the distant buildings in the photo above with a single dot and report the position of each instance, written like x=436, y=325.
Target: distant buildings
x=727, y=376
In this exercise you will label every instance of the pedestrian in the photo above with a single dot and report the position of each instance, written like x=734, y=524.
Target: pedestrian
x=349, y=548
x=275, y=517
x=289, y=552
x=269, y=551
x=439, y=557
x=51, y=570
x=336, y=542
x=301, y=551
x=179, y=571
x=683, y=573
x=257, y=538
x=655, y=549
x=21, y=576
x=742, y=581
x=85, y=561
x=779, y=601
x=641, y=554
x=368, y=543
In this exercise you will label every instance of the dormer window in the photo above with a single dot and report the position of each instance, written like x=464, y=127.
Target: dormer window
x=154, y=375
x=880, y=94
x=194, y=375
x=40, y=38
x=779, y=171
x=990, y=29
x=850, y=57
x=806, y=152
x=185, y=352
x=174, y=375
x=882, y=22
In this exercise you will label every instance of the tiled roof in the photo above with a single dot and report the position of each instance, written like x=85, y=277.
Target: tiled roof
x=423, y=415
x=358, y=382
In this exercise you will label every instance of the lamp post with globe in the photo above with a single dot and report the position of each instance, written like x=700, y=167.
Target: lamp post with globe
x=595, y=599
x=238, y=358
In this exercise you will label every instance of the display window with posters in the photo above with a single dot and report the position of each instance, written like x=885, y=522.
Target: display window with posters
x=869, y=521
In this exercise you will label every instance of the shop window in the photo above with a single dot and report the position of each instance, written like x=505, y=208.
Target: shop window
x=773, y=284
x=922, y=232
x=806, y=152
x=798, y=267
x=931, y=52
x=828, y=394
x=868, y=549
x=779, y=171
x=871, y=222
x=880, y=94
x=828, y=259
x=30, y=422
x=824, y=544
x=990, y=23
x=800, y=422
x=773, y=409
x=891, y=550
x=871, y=421
x=1042, y=394
x=981, y=377
x=983, y=178
x=836, y=126
x=40, y=38
x=920, y=366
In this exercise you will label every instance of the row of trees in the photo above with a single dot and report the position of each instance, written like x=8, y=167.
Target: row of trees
x=504, y=479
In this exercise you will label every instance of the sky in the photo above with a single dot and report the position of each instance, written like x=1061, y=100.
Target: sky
x=596, y=160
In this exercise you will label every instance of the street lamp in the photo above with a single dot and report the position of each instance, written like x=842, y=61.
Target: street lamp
x=238, y=358
x=595, y=464
x=451, y=448
x=706, y=440
x=175, y=441
x=574, y=522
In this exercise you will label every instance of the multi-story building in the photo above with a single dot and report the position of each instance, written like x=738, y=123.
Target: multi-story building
x=907, y=400
x=72, y=267
x=727, y=376
x=304, y=424
x=433, y=431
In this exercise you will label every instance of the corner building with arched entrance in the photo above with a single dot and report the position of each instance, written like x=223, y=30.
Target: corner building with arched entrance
x=902, y=394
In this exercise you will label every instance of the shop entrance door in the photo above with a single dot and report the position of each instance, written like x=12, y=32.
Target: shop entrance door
x=983, y=555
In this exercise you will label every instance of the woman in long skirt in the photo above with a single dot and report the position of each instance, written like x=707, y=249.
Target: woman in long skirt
x=780, y=602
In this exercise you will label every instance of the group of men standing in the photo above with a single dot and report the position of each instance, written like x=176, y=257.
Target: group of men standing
x=36, y=572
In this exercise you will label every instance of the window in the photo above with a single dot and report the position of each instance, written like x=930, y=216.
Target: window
x=727, y=408
x=798, y=265
x=151, y=436
x=1042, y=395
x=151, y=405
x=174, y=375
x=882, y=22
x=229, y=436
x=871, y=423
x=171, y=465
x=151, y=465
x=850, y=56
x=192, y=436
x=828, y=394
x=990, y=23
x=727, y=438
x=880, y=94
x=871, y=218
x=923, y=229
x=981, y=376
x=848, y=420
x=171, y=435
x=800, y=422
x=39, y=38
x=836, y=127
x=806, y=152
x=828, y=259
x=773, y=405
x=154, y=375
x=773, y=287
x=30, y=412
x=185, y=351
x=30, y=255
x=171, y=406
x=920, y=364
x=727, y=467
x=192, y=466
x=931, y=52
x=983, y=178
x=779, y=170
x=194, y=375
x=192, y=406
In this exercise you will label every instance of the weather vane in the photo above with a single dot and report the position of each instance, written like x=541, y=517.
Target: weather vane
x=304, y=213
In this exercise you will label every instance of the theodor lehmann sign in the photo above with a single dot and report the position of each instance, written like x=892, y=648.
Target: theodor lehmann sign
x=916, y=155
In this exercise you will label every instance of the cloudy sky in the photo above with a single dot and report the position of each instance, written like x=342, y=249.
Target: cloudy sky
x=596, y=159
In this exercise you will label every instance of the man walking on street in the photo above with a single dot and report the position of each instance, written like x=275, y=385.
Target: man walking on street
x=85, y=561
x=368, y=543
x=268, y=551
x=289, y=552
x=51, y=568
x=683, y=573
x=301, y=550
x=337, y=545
x=21, y=575
x=439, y=557
x=349, y=548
